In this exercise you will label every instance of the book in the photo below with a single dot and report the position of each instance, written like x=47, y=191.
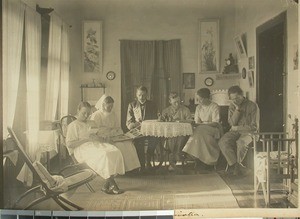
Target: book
x=131, y=134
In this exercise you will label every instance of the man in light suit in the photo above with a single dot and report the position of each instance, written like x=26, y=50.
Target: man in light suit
x=139, y=110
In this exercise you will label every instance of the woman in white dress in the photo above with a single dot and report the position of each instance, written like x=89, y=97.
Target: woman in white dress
x=87, y=147
x=203, y=144
x=107, y=123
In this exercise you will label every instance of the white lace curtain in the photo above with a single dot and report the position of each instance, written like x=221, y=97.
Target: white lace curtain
x=53, y=67
x=13, y=20
x=65, y=69
x=33, y=69
x=57, y=69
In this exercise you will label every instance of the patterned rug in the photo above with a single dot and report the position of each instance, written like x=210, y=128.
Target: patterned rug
x=158, y=192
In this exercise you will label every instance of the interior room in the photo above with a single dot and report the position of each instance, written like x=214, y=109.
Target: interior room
x=62, y=60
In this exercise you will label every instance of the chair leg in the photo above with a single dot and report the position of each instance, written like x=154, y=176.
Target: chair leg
x=90, y=187
x=70, y=203
x=26, y=193
x=66, y=208
x=36, y=201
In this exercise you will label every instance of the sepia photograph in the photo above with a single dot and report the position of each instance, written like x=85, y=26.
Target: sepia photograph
x=100, y=112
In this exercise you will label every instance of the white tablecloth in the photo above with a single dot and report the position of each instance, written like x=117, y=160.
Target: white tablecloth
x=165, y=129
x=48, y=140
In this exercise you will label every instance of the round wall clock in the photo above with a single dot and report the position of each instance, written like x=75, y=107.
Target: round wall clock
x=209, y=81
x=110, y=75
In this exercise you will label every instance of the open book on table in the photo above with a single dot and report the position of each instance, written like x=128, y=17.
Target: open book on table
x=131, y=134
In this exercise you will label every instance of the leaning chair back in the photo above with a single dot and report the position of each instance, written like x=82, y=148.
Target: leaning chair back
x=64, y=122
x=51, y=186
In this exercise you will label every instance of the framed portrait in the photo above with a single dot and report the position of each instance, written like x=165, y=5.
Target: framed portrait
x=240, y=47
x=189, y=80
x=208, y=46
x=92, y=46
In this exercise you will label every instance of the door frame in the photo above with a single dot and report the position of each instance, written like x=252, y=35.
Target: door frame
x=281, y=18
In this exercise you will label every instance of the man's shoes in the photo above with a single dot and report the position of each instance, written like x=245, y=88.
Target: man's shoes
x=239, y=170
x=236, y=169
x=114, y=190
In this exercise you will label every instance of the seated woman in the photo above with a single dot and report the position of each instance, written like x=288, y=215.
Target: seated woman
x=105, y=159
x=106, y=121
x=203, y=144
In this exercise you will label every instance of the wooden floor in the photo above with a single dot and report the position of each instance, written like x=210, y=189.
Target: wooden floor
x=242, y=189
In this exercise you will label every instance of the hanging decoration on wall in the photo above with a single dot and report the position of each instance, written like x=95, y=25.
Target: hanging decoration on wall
x=110, y=75
x=295, y=57
x=244, y=73
x=92, y=46
x=251, y=78
x=208, y=81
x=189, y=80
x=251, y=62
x=240, y=47
x=208, y=47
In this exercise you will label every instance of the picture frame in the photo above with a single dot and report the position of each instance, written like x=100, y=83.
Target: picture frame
x=92, y=49
x=240, y=47
x=251, y=78
x=189, y=80
x=209, y=46
x=251, y=62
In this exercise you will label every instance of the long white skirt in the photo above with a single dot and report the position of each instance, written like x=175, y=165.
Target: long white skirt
x=131, y=159
x=203, y=144
x=105, y=159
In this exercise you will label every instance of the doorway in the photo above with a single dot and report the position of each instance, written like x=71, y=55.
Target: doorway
x=271, y=78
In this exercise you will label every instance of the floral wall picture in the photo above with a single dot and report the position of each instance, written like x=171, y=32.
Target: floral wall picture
x=208, y=60
x=92, y=46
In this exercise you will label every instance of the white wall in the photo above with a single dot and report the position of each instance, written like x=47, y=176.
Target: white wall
x=171, y=19
x=143, y=20
x=251, y=15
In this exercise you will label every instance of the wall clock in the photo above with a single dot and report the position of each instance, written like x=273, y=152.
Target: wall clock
x=110, y=75
x=209, y=81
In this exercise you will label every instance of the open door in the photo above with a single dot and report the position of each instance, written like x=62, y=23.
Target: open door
x=271, y=77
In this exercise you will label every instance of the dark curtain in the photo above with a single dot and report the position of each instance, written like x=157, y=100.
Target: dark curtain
x=154, y=64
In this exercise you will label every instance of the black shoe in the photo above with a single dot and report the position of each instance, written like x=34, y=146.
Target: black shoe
x=114, y=190
x=239, y=170
x=105, y=187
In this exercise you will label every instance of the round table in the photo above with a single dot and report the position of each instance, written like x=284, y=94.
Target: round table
x=166, y=129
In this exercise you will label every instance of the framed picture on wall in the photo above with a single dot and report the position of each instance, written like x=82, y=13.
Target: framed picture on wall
x=189, y=80
x=208, y=47
x=240, y=47
x=92, y=46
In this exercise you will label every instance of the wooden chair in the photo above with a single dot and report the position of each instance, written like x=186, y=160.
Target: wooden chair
x=64, y=122
x=274, y=155
x=47, y=184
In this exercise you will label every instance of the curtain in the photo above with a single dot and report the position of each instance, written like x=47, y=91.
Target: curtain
x=137, y=68
x=154, y=64
x=65, y=69
x=167, y=76
x=13, y=22
x=33, y=69
x=53, y=68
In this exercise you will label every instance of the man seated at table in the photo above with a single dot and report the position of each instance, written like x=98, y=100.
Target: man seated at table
x=139, y=110
x=177, y=112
